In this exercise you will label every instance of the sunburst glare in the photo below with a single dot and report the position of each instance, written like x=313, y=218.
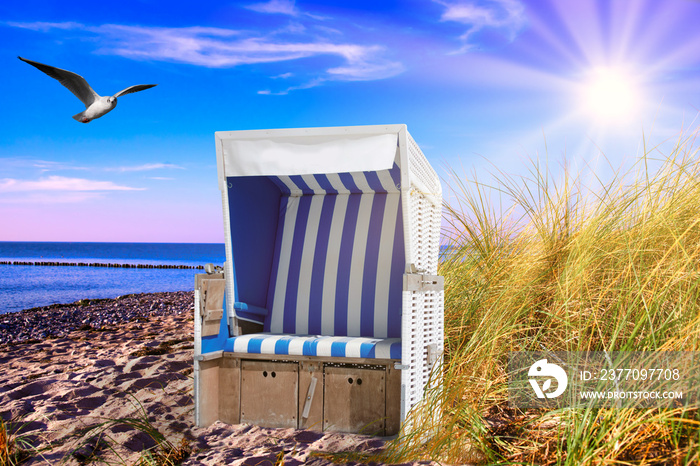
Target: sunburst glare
x=610, y=96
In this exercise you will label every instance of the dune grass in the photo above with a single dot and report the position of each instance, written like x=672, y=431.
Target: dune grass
x=97, y=440
x=545, y=263
x=14, y=446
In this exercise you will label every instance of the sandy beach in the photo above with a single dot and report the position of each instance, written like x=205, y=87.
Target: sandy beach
x=69, y=371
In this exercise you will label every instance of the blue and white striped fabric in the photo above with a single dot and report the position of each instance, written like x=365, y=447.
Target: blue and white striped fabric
x=339, y=256
x=313, y=345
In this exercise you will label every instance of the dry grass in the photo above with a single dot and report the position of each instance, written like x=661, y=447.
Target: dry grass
x=564, y=267
x=97, y=441
x=14, y=447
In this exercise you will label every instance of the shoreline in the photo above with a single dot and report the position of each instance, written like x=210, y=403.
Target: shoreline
x=57, y=320
x=125, y=358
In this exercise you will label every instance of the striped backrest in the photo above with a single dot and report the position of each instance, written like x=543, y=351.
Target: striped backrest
x=339, y=256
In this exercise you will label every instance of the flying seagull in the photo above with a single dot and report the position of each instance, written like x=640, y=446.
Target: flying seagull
x=95, y=105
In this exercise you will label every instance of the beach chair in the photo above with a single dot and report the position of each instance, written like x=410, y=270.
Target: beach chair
x=329, y=312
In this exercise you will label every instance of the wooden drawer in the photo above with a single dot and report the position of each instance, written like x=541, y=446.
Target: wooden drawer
x=269, y=393
x=354, y=400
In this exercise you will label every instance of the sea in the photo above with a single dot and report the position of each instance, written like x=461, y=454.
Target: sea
x=29, y=286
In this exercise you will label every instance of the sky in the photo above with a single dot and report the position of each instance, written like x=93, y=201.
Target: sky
x=483, y=85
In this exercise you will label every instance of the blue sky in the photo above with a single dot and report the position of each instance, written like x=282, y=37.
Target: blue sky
x=483, y=85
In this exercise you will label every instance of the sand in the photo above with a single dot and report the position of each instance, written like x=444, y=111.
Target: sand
x=62, y=390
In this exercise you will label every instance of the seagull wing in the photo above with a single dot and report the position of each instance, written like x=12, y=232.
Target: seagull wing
x=73, y=82
x=136, y=88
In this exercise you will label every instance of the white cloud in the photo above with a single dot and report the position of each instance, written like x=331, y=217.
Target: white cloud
x=13, y=163
x=47, y=165
x=146, y=167
x=46, y=26
x=284, y=7
x=220, y=48
x=60, y=183
x=217, y=48
x=505, y=15
x=363, y=66
x=308, y=85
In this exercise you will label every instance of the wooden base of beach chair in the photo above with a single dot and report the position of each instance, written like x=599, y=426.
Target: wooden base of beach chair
x=314, y=393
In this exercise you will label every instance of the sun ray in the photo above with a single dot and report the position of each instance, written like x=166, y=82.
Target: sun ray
x=581, y=20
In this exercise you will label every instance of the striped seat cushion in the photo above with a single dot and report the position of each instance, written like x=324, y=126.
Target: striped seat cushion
x=315, y=345
x=339, y=256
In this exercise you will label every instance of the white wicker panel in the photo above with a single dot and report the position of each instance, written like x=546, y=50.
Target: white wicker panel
x=422, y=321
x=421, y=170
x=432, y=323
x=424, y=324
x=429, y=337
x=425, y=208
x=411, y=351
x=435, y=238
x=440, y=320
x=438, y=337
x=416, y=228
x=424, y=226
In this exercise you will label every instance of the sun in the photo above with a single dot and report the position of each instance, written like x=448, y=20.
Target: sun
x=610, y=96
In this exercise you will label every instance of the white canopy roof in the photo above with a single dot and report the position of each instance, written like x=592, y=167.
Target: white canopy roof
x=309, y=151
